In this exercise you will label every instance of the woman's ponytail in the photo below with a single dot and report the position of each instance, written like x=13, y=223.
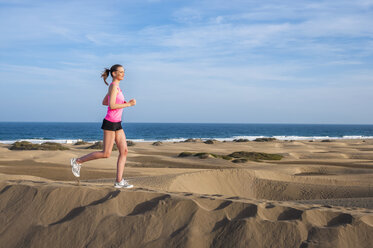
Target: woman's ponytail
x=110, y=71
x=105, y=75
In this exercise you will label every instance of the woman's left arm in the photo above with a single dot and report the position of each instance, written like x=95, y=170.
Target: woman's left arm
x=105, y=101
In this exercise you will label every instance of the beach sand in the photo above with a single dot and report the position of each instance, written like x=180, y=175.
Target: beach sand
x=319, y=195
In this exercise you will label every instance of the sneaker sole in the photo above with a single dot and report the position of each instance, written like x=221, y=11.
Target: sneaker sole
x=123, y=187
x=75, y=174
x=71, y=163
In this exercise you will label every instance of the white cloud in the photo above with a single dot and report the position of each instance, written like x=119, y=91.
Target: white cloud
x=188, y=15
x=51, y=21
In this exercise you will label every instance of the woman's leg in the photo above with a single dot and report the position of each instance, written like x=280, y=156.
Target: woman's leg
x=120, y=140
x=109, y=137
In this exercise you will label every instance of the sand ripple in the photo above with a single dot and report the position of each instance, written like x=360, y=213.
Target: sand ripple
x=49, y=215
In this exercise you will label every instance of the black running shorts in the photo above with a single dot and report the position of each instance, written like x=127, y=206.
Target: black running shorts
x=112, y=126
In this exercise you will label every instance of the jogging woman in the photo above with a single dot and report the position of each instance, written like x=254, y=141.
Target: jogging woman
x=112, y=127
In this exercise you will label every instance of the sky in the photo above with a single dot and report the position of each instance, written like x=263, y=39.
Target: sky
x=207, y=61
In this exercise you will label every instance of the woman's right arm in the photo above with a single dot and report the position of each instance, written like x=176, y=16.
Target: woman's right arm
x=113, y=91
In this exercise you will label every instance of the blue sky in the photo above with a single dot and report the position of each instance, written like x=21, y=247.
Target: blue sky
x=189, y=61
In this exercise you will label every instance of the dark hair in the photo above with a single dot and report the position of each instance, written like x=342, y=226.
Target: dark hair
x=110, y=71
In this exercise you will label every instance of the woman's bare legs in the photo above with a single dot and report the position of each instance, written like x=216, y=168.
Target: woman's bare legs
x=109, y=137
x=120, y=140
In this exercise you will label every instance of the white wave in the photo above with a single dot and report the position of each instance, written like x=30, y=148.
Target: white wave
x=251, y=138
x=40, y=141
x=141, y=140
x=174, y=140
x=357, y=137
x=303, y=137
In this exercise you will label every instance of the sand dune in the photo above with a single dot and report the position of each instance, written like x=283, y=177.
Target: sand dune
x=246, y=183
x=319, y=195
x=40, y=214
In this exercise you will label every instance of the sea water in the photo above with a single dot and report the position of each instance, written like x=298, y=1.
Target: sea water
x=65, y=132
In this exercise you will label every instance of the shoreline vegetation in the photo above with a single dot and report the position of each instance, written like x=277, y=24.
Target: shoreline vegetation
x=53, y=146
x=236, y=157
x=47, y=146
x=79, y=142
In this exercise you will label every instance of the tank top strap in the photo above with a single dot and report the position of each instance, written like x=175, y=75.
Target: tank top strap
x=117, y=87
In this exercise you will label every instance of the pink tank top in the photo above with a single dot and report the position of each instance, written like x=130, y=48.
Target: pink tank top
x=115, y=115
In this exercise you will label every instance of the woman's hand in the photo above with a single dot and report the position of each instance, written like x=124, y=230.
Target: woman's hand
x=132, y=102
x=105, y=101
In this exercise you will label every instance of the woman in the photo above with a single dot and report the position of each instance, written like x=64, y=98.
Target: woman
x=112, y=127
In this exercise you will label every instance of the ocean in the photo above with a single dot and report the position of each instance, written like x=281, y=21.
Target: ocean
x=67, y=132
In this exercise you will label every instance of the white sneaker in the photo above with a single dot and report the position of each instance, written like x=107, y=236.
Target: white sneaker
x=123, y=184
x=75, y=167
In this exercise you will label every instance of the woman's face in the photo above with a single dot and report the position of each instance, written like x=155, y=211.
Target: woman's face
x=119, y=73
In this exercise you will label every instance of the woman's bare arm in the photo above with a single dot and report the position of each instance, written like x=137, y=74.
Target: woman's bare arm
x=113, y=91
x=105, y=101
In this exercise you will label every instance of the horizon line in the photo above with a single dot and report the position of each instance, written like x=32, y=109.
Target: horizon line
x=266, y=123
